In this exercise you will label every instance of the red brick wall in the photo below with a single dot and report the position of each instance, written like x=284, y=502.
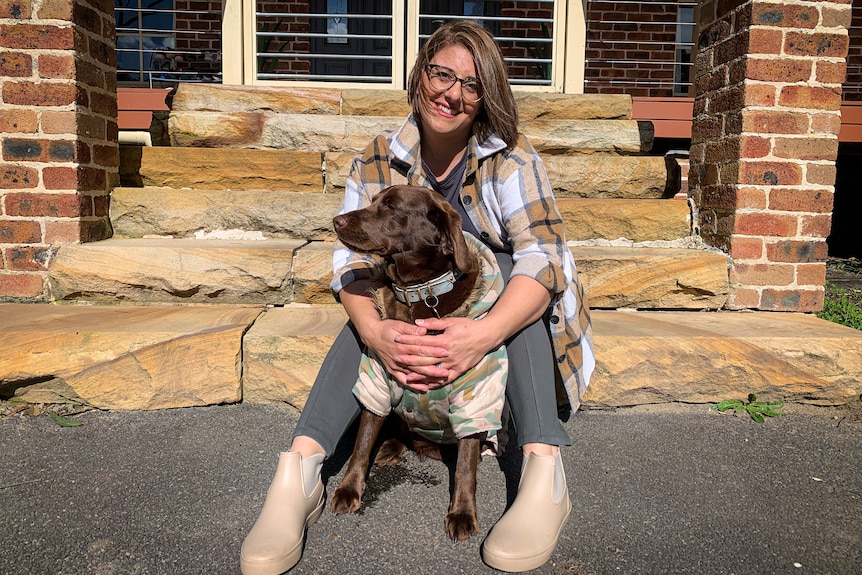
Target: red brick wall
x=58, y=125
x=298, y=25
x=621, y=33
x=198, y=31
x=764, y=142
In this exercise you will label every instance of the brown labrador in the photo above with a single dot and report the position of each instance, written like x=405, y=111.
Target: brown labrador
x=418, y=235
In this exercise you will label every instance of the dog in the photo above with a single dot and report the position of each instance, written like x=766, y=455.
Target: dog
x=431, y=268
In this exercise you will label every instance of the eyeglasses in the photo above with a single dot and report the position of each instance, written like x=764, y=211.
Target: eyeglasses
x=443, y=78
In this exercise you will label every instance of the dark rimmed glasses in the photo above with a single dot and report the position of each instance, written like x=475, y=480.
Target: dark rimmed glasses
x=443, y=78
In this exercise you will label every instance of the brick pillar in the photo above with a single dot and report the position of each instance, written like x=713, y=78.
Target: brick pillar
x=58, y=127
x=764, y=140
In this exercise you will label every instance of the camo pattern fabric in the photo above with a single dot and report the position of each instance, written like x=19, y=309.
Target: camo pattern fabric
x=471, y=404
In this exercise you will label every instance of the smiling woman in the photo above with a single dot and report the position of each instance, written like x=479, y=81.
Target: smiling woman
x=461, y=140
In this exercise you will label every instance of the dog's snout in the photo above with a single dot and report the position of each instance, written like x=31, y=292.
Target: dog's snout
x=339, y=222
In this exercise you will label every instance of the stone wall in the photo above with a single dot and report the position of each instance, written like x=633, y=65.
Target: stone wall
x=764, y=142
x=58, y=125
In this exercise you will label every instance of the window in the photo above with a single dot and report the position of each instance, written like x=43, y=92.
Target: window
x=162, y=42
x=684, y=44
x=145, y=34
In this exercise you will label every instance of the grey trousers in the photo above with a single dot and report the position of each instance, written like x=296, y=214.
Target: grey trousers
x=331, y=407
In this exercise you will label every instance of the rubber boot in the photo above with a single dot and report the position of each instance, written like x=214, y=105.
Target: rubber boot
x=526, y=536
x=294, y=501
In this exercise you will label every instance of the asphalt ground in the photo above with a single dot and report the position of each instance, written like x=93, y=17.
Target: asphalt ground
x=661, y=489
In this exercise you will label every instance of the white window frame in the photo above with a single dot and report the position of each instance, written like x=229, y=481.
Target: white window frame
x=240, y=61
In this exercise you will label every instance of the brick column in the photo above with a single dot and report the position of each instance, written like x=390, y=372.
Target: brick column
x=764, y=140
x=58, y=125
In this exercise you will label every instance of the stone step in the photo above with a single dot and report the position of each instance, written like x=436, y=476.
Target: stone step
x=138, y=357
x=116, y=357
x=328, y=132
x=595, y=175
x=176, y=271
x=231, y=169
x=641, y=357
x=376, y=102
x=278, y=271
x=139, y=212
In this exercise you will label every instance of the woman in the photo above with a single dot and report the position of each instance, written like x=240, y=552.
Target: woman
x=462, y=140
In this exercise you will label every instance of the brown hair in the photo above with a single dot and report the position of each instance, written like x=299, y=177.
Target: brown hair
x=499, y=114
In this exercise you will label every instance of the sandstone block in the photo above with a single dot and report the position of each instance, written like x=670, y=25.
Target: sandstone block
x=226, y=168
x=652, y=278
x=117, y=357
x=655, y=357
x=139, y=212
x=215, y=129
x=539, y=105
x=577, y=136
x=635, y=220
x=322, y=132
x=607, y=176
x=312, y=274
x=614, y=277
x=179, y=271
x=223, y=98
x=365, y=102
x=642, y=357
x=284, y=350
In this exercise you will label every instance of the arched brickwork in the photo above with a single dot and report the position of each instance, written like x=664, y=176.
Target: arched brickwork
x=58, y=125
x=764, y=141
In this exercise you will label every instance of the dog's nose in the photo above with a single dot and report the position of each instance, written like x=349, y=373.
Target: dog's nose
x=339, y=222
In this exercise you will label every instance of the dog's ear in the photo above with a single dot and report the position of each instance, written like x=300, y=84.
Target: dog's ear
x=453, y=242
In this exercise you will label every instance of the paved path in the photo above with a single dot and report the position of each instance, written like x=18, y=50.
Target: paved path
x=675, y=489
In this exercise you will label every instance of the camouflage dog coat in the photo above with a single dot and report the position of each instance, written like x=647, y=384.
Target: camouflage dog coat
x=471, y=404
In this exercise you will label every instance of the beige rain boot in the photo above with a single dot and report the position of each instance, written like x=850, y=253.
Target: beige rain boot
x=527, y=534
x=294, y=501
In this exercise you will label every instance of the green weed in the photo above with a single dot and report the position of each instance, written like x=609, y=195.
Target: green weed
x=758, y=410
x=842, y=307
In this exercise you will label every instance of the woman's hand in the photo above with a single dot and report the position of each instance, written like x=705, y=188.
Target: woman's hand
x=399, y=359
x=466, y=341
x=383, y=336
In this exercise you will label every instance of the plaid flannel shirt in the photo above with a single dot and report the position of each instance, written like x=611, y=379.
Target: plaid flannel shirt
x=507, y=195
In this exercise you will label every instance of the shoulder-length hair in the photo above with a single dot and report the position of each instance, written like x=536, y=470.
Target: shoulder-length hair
x=499, y=113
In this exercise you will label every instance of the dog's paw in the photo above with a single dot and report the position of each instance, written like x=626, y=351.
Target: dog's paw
x=460, y=526
x=345, y=500
x=427, y=450
x=390, y=453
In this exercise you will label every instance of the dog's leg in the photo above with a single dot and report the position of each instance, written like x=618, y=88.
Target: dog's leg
x=348, y=496
x=462, y=521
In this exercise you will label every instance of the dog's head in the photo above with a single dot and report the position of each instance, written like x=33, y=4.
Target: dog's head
x=410, y=226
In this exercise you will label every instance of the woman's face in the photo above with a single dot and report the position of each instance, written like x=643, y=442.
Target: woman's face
x=448, y=113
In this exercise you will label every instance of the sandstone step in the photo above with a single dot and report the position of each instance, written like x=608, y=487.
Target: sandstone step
x=635, y=220
x=290, y=271
x=593, y=175
x=116, y=357
x=139, y=212
x=642, y=357
x=614, y=276
x=376, y=102
x=227, y=168
x=326, y=132
x=170, y=270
